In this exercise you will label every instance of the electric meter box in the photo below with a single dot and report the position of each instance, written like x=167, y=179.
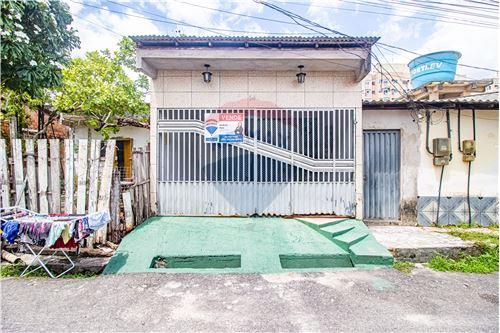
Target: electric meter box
x=440, y=161
x=469, y=150
x=441, y=147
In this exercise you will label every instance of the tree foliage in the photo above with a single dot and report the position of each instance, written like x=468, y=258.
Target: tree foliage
x=98, y=87
x=36, y=42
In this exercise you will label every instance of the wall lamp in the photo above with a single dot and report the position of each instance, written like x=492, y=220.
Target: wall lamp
x=207, y=75
x=301, y=77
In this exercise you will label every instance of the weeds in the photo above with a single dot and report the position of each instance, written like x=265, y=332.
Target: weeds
x=403, y=266
x=486, y=262
x=14, y=270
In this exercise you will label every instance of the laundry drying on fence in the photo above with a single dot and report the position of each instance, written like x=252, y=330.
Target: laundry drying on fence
x=54, y=231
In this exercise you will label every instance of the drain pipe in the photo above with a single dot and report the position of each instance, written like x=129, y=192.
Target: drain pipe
x=427, y=125
x=448, y=127
x=470, y=165
x=458, y=129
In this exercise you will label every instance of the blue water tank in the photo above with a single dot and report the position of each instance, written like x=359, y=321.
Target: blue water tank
x=432, y=67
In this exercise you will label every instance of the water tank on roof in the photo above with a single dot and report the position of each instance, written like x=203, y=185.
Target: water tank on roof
x=432, y=67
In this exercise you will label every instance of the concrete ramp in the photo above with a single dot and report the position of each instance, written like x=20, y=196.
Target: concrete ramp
x=243, y=245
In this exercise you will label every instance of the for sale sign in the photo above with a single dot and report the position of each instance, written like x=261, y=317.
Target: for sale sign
x=224, y=127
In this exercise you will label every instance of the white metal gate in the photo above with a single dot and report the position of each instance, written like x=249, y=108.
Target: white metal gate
x=292, y=161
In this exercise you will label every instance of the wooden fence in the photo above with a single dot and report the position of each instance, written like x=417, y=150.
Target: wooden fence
x=75, y=177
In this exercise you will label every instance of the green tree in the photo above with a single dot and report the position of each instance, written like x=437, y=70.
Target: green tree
x=36, y=42
x=125, y=56
x=98, y=87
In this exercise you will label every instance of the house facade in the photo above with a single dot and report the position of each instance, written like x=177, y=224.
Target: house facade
x=421, y=186
x=298, y=101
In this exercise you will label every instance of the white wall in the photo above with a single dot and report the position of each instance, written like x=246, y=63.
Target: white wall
x=139, y=135
x=484, y=175
x=256, y=89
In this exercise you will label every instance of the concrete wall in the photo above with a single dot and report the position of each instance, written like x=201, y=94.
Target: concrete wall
x=255, y=89
x=139, y=135
x=410, y=156
x=484, y=176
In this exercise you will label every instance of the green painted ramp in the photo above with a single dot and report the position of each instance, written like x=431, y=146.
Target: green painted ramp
x=238, y=245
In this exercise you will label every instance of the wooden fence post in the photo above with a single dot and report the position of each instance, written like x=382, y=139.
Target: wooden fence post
x=42, y=176
x=31, y=175
x=105, y=189
x=82, y=177
x=69, y=175
x=55, y=174
x=4, y=175
x=17, y=155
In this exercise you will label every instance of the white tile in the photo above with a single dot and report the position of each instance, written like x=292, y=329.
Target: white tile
x=319, y=83
x=205, y=99
x=262, y=83
x=319, y=99
x=262, y=99
x=233, y=99
x=289, y=84
x=177, y=99
x=234, y=83
x=180, y=83
x=346, y=99
x=290, y=99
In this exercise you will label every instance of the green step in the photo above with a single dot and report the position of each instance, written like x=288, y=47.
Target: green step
x=370, y=252
x=350, y=238
x=337, y=229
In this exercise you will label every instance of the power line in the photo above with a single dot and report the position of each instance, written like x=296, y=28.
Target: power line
x=207, y=29
x=175, y=22
x=215, y=30
x=473, y=23
x=96, y=24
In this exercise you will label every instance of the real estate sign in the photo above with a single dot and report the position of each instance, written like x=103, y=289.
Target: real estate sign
x=224, y=127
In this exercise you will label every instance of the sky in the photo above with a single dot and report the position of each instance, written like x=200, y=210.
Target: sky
x=409, y=24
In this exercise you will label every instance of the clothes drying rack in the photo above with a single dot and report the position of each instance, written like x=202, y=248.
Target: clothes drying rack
x=38, y=261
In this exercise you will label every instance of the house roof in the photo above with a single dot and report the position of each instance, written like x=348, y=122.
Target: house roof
x=478, y=102
x=72, y=119
x=247, y=41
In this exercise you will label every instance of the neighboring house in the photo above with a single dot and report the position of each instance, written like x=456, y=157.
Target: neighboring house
x=392, y=85
x=401, y=182
x=301, y=144
x=132, y=134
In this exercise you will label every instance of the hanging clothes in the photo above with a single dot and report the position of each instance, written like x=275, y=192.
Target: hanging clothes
x=55, y=232
x=10, y=230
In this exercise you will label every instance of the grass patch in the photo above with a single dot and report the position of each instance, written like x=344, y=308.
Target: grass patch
x=14, y=270
x=403, y=266
x=486, y=262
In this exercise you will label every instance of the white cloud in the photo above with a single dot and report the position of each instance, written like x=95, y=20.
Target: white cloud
x=479, y=47
x=320, y=11
x=94, y=37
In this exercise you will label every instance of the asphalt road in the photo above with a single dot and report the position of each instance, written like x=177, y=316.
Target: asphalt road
x=352, y=300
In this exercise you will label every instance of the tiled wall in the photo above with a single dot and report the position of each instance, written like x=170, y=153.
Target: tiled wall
x=454, y=210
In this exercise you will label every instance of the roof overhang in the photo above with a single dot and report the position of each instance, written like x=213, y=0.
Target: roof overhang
x=447, y=89
x=443, y=104
x=315, y=54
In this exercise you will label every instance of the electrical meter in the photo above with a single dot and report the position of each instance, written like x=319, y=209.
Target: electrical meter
x=469, y=150
x=442, y=151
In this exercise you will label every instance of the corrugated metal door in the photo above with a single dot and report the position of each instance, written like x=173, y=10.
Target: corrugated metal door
x=291, y=161
x=381, y=174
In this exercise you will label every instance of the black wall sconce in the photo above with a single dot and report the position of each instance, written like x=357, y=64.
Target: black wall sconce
x=301, y=77
x=207, y=75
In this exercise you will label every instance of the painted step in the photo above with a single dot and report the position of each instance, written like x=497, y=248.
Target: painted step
x=337, y=229
x=317, y=225
x=350, y=238
x=370, y=252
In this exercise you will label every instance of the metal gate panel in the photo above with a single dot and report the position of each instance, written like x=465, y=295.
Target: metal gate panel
x=292, y=161
x=381, y=174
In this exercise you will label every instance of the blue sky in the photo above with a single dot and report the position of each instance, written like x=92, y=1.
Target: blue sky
x=99, y=28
